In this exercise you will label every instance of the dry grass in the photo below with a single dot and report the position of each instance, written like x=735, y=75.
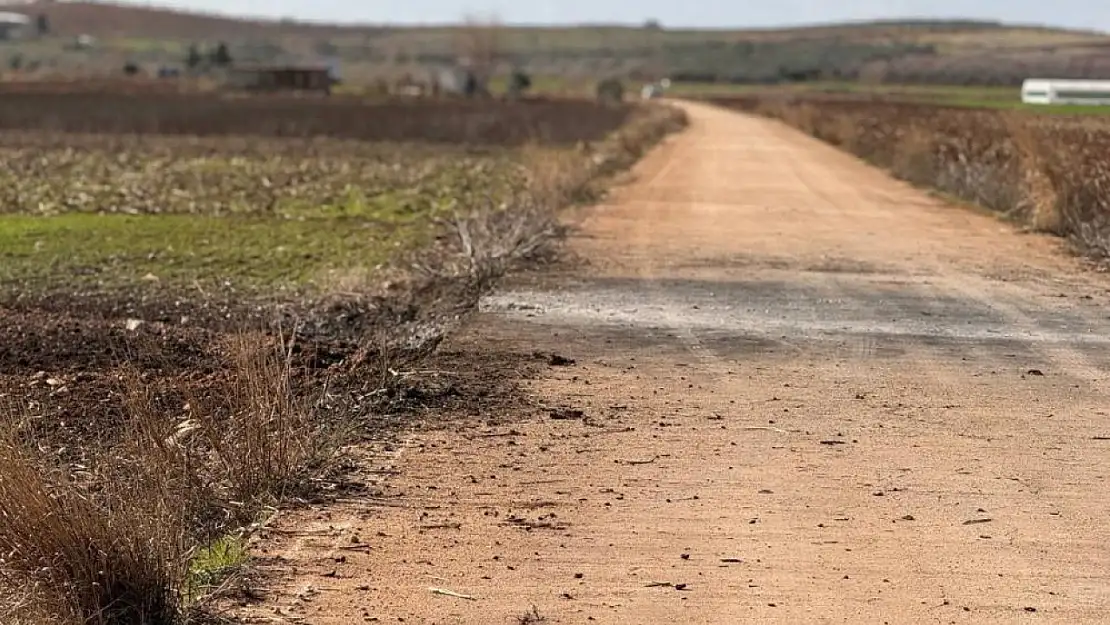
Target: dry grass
x=109, y=556
x=239, y=448
x=1038, y=205
x=916, y=159
x=115, y=546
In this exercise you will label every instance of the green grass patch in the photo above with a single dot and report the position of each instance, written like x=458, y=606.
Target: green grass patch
x=213, y=564
x=182, y=250
x=113, y=213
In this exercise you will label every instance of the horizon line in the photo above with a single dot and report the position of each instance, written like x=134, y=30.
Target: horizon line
x=462, y=20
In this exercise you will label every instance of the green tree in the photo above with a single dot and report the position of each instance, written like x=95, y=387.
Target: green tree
x=194, y=58
x=610, y=90
x=221, y=56
x=519, y=82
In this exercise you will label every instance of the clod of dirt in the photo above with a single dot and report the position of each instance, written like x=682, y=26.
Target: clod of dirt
x=555, y=360
x=566, y=414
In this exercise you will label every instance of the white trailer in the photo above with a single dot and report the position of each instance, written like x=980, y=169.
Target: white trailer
x=1056, y=91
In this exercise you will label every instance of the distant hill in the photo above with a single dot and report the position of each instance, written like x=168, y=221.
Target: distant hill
x=103, y=20
x=954, y=51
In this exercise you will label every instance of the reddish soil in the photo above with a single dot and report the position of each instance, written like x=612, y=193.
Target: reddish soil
x=801, y=392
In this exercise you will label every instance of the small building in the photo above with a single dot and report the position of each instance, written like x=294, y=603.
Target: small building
x=282, y=78
x=1053, y=91
x=13, y=25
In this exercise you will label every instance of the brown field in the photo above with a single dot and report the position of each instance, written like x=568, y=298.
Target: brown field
x=492, y=123
x=1047, y=172
x=202, y=301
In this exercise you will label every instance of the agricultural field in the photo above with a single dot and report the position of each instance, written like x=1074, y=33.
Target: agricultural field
x=201, y=300
x=243, y=198
x=1047, y=172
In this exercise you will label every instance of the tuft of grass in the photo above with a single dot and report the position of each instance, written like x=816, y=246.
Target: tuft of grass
x=532, y=617
x=214, y=563
x=243, y=445
x=106, y=558
x=147, y=531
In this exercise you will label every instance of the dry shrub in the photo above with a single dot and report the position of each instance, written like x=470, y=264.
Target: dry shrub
x=804, y=117
x=915, y=160
x=114, y=548
x=239, y=447
x=28, y=606
x=1038, y=206
x=1078, y=168
x=843, y=133
x=113, y=556
x=553, y=176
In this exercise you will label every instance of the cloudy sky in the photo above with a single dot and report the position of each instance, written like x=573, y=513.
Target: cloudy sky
x=1091, y=14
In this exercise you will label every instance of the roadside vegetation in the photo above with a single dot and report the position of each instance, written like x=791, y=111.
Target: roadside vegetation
x=1046, y=172
x=195, y=324
x=979, y=97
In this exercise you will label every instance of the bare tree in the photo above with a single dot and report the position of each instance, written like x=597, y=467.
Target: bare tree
x=478, y=47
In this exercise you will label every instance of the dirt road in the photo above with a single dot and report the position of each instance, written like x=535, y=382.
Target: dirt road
x=808, y=394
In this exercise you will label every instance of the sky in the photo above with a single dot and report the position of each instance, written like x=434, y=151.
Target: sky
x=1087, y=14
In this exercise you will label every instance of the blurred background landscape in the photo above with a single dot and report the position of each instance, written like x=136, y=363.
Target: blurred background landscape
x=59, y=39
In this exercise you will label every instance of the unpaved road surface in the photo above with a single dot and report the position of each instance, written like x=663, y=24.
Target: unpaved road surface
x=807, y=393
